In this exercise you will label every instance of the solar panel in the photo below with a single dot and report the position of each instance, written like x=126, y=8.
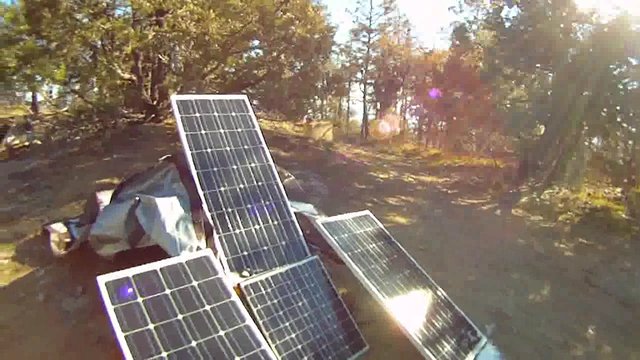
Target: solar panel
x=435, y=325
x=301, y=314
x=180, y=308
x=238, y=183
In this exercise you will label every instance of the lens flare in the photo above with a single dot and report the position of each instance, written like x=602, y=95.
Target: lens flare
x=126, y=292
x=384, y=127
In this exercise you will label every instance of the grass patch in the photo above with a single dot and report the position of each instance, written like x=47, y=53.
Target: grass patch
x=7, y=248
x=282, y=127
x=10, y=111
x=453, y=160
x=589, y=208
x=437, y=157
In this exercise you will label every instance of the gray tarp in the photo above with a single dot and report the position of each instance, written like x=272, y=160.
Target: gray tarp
x=157, y=206
x=150, y=208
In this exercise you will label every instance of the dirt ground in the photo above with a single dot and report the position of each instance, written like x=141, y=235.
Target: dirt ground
x=541, y=292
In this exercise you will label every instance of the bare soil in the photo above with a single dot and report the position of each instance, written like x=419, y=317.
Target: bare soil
x=542, y=292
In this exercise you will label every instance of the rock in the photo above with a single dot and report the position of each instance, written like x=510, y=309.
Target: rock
x=68, y=304
x=71, y=304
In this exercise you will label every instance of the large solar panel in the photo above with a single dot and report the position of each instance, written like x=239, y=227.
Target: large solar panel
x=301, y=314
x=238, y=183
x=180, y=308
x=436, y=326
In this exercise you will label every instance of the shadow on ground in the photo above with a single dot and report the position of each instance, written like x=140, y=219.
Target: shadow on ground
x=54, y=311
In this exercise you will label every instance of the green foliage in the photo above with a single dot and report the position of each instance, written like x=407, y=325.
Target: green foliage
x=550, y=64
x=133, y=54
x=370, y=23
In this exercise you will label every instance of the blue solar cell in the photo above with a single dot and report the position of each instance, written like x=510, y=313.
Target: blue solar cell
x=301, y=314
x=177, y=308
x=238, y=183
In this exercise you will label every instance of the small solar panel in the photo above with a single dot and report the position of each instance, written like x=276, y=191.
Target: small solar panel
x=180, y=308
x=435, y=325
x=301, y=314
x=238, y=183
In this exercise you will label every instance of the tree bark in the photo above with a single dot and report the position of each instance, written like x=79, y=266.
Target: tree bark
x=35, y=106
x=348, y=117
x=364, y=127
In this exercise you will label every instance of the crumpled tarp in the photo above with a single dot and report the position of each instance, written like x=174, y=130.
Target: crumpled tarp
x=157, y=206
x=150, y=208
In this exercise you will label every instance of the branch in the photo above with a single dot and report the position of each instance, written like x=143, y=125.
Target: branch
x=123, y=75
x=236, y=88
x=81, y=97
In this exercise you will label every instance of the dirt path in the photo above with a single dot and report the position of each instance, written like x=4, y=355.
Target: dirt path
x=545, y=294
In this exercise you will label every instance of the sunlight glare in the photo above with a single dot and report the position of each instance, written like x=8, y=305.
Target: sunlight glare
x=608, y=8
x=384, y=127
x=411, y=309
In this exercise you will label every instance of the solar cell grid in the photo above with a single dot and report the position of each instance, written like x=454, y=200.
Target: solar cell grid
x=180, y=308
x=301, y=314
x=396, y=280
x=238, y=182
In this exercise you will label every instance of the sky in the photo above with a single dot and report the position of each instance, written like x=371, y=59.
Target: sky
x=428, y=18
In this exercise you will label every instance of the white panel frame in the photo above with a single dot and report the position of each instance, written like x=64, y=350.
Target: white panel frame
x=318, y=223
x=267, y=274
x=103, y=279
x=185, y=145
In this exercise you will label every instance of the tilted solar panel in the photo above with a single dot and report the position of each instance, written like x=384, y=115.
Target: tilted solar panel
x=301, y=314
x=436, y=326
x=238, y=183
x=180, y=308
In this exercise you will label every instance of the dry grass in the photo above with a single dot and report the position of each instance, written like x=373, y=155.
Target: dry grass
x=282, y=127
x=438, y=157
x=592, y=206
x=10, y=111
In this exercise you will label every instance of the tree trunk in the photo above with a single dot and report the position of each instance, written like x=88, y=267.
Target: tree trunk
x=377, y=116
x=364, y=127
x=348, y=117
x=35, y=106
x=403, y=112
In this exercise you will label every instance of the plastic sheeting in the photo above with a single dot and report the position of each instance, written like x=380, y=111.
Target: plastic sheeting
x=157, y=206
x=151, y=208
